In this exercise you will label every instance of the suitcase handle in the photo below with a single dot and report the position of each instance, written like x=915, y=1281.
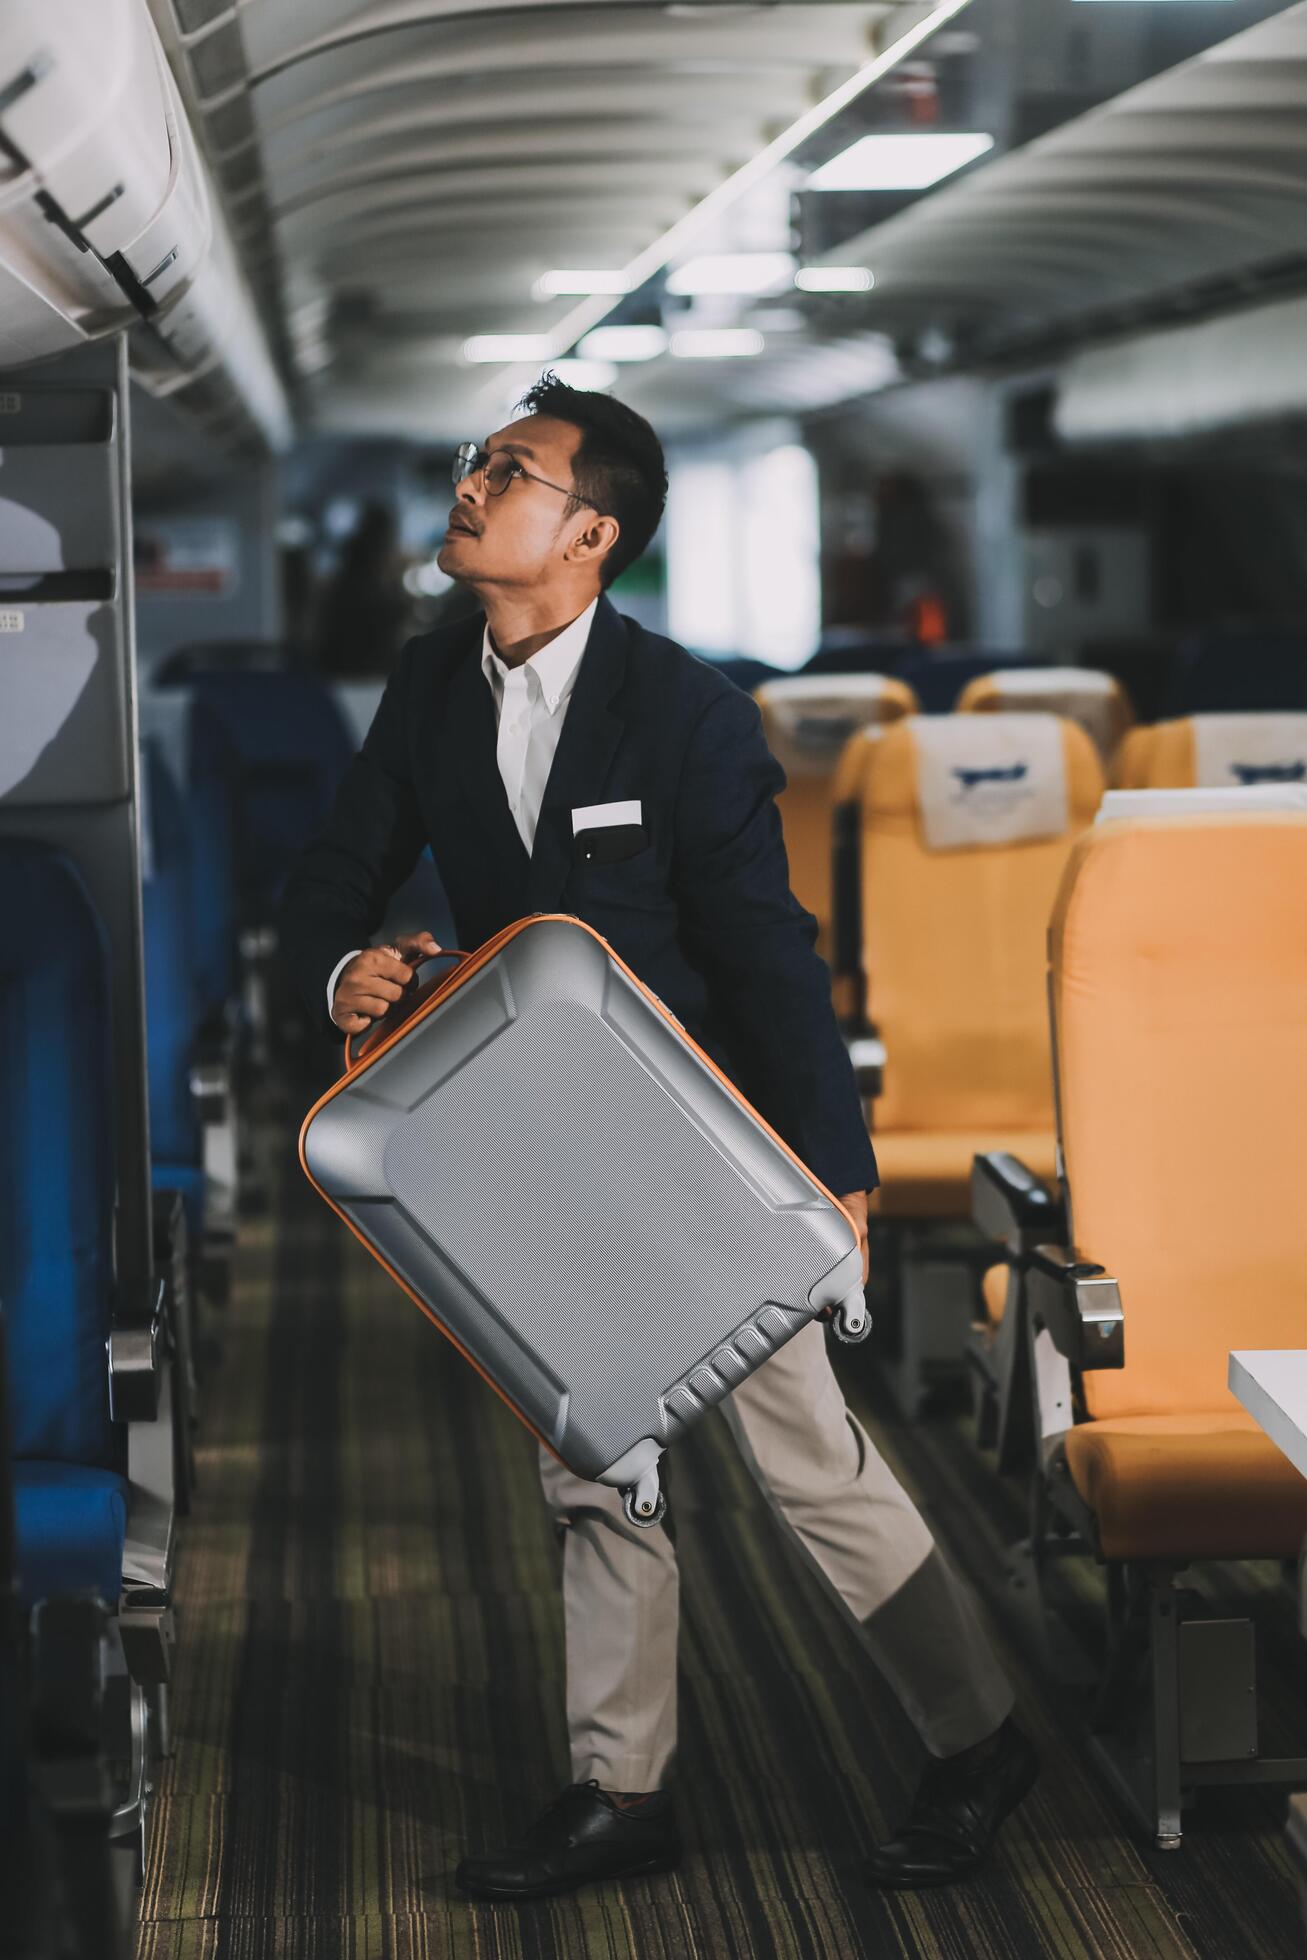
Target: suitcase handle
x=413, y=997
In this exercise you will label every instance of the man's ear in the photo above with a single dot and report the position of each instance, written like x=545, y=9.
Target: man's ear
x=594, y=541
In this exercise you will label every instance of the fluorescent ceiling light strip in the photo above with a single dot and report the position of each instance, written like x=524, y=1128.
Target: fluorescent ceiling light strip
x=507, y=347
x=716, y=343
x=633, y=343
x=656, y=256
x=834, y=279
x=899, y=163
x=732, y=272
x=550, y=284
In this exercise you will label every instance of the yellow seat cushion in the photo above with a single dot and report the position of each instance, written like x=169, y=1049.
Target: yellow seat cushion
x=927, y=1173
x=1192, y=1486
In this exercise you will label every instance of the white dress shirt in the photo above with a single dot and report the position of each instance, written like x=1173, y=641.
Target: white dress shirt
x=530, y=707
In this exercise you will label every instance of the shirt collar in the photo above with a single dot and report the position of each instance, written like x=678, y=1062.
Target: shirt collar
x=554, y=665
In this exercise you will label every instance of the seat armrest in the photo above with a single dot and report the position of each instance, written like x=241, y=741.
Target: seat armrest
x=867, y=1056
x=1079, y=1304
x=846, y=908
x=1010, y=1204
x=136, y=1352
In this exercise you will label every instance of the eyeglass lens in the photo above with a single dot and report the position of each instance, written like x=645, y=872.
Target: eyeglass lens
x=500, y=468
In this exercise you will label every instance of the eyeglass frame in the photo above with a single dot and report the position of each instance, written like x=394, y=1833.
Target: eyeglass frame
x=478, y=459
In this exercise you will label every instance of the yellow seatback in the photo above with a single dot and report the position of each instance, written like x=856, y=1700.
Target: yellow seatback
x=954, y=948
x=1094, y=700
x=808, y=721
x=1178, y=950
x=1215, y=752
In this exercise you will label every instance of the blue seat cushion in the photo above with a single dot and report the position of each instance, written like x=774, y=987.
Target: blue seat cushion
x=71, y=1523
x=189, y=1180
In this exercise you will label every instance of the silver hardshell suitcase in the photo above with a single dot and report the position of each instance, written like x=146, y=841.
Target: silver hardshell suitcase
x=564, y=1182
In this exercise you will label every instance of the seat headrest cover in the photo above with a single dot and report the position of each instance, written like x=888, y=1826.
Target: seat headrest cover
x=989, y=779
x=1082, y=694
x=1243, y=751
x=1044, y=682
x=1132, y=804
x=808, y=719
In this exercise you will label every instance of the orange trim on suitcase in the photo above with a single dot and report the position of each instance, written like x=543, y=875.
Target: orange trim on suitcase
x=469, y=964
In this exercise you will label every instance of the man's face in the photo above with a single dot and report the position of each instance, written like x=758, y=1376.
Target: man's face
x=520, y=536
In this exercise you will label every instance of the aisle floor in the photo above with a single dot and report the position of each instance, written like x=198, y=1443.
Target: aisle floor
x=369, y=1682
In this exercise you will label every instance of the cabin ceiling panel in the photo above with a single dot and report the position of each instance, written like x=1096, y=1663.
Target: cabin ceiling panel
x=411, y=161
x=1192, y=184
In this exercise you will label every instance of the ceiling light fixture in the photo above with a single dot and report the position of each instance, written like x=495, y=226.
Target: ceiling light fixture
x=834, y=279
x=898, y=163
x=507, y=347
x=550, y=284
x=716, y=343
x=592, y=375
x=666, y=247
x=623, y=344
x=732, y=272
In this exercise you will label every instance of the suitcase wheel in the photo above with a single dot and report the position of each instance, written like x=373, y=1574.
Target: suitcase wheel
x=850, y=1322
x=644, y=1503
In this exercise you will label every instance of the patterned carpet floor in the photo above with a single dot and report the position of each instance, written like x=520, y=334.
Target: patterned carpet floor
x=370, y=1681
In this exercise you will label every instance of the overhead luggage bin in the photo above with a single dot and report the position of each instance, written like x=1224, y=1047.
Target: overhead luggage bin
x=110, y=221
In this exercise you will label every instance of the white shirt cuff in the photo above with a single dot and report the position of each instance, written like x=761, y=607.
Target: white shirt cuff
x=336, y=972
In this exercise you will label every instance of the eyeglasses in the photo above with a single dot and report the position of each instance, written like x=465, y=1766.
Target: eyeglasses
x=499, y=467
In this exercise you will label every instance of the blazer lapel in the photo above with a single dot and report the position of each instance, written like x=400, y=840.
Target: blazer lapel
x=466, y=741
x=591, y=731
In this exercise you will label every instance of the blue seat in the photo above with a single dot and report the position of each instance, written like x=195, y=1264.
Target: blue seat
x=56, y=1226
x=860, y=650
x=938, y=677
x=71, y=1523
x=275, y=746
x=1253, y=672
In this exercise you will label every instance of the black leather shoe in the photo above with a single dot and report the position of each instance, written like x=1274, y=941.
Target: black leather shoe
x=960, y=1803
x=582, y=1835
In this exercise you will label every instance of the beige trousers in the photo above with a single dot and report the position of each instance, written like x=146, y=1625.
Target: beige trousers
x=854, y=1526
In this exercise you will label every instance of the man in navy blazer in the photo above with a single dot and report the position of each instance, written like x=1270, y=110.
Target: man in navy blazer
x=556, y=756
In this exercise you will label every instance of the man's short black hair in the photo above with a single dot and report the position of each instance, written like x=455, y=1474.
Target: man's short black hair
x=618, y=469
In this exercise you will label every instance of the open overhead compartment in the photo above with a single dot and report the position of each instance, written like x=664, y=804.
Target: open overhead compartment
x=108, y=220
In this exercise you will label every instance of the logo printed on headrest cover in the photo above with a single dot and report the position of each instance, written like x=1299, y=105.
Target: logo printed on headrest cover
x=986, y=780
x=973, y=778
x=1268, y=772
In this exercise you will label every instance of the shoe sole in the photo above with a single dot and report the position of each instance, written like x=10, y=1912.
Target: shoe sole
x=906, y=1884
x=506, y=1895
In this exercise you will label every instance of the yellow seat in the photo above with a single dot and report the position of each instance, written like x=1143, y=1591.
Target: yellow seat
x=1179, y=981
x=1187, y=1486
x=808, y=720
x=1178, y=958
x=1094, y=700
x=954, y=950
x=1214, y=752
x=928, y=1172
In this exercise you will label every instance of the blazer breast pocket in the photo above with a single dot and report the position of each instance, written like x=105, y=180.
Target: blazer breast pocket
x=628, y=883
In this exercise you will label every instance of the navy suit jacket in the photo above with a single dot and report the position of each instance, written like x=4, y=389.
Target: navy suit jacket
x=703, y=913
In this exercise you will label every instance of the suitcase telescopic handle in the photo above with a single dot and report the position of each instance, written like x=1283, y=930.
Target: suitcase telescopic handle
x=409, y=1001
